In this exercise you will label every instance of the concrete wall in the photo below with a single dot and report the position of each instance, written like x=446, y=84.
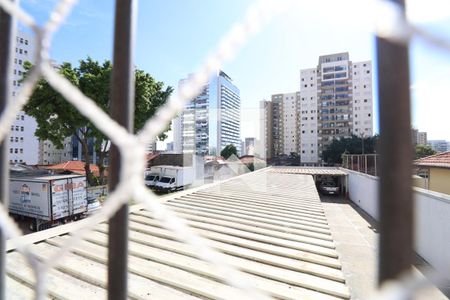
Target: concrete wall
x=363, y=190
x=440, y=180
x=431, y=218
x=432, y=228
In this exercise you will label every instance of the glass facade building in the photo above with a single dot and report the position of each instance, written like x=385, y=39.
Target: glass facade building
x=212, y=120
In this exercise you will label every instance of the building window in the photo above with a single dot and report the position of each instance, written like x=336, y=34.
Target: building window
x=367, y=71
x=21, y=128
x=16, y=150
x=11, y=139
x=17, y=139
x=368, y=115
x=21, y=150
x=22, y=118
x=26, y=42
x=20, y=61
x=21, y=139
x=365, y=100
x=306, y=85
x=17, y=128
x=303, y=79
x=364, y=65
x=10, y=150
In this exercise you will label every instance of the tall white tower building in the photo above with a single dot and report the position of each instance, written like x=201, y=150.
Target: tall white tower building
x=212, y=120
x=24, y=145
x=336, y=101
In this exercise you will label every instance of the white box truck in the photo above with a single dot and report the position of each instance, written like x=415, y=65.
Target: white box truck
x=46, y=201
x=152, y=176
x=175, y=178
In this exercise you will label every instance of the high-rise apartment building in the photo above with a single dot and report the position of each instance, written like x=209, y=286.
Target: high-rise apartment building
x=211, y=121
x=49, y=154
x=23, y=144
x=279, y=123
x=418, y=137
x=249, y=146
x=336, y=102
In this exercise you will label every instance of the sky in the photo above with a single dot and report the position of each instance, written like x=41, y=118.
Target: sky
x=174, y=37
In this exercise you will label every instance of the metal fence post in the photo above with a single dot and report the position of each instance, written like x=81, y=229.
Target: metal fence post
x=7, y=29
x=122, y=110
x=396, y=209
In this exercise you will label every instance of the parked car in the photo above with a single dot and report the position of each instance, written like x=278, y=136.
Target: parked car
x=328, y=188
x=152, y=176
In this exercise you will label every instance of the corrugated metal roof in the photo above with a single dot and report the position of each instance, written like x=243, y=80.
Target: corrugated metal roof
x=269, y=225
x=309, y=170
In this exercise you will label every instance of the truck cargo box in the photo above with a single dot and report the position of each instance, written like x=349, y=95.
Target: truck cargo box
x=48, y=198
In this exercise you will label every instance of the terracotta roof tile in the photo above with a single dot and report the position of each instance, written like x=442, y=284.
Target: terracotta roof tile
x=441, y=160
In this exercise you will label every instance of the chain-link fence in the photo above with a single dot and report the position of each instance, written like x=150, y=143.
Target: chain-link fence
x=128, y=164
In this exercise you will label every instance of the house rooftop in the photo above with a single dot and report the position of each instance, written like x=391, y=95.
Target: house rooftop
x=440, y=160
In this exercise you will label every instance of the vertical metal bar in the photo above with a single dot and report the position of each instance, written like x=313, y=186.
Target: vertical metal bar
x=396, y=208
x=375, y=163
x=365, y=163
x=122, y=110
x=7, y=29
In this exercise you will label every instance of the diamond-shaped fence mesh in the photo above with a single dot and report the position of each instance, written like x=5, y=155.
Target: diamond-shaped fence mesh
x=389, y=24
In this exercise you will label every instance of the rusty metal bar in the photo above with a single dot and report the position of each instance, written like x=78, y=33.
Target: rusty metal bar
x=396, y=209
x=7, y=30
x=122, y=110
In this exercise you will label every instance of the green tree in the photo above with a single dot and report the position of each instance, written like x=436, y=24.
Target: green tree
x=351, y=145
x=228, y=151
x=423, y=151
x=58, y=119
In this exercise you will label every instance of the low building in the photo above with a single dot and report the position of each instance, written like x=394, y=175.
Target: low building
x=439, y=145
x=436, y=169
x=73, y=166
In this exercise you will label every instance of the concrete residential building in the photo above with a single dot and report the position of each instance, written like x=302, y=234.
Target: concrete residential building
x=439, y=145
x=422, y=138
x=279, y=124
x=49, y=154
x=250, y=146
x=418, y=137
x=265, y=128
x=24, y=145
x=211, y=120
x=336, y=102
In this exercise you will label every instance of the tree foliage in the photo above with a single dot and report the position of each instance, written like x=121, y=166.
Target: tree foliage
x=423, y=151
x=228, y=151
x=57, y=119
x=351, y=145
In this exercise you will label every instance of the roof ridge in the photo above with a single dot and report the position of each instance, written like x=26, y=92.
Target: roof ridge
x=432, y=156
